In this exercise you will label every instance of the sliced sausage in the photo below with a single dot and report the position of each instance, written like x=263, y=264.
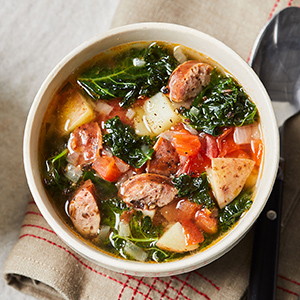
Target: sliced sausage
x=188, y=80
x=84, y=144
x=146, y=191
x=84, y=211
x=164, y=160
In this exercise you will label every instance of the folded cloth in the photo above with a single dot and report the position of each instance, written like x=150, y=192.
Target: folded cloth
x=41, y=264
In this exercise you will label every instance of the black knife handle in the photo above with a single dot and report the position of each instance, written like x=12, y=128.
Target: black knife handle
x=263, y=275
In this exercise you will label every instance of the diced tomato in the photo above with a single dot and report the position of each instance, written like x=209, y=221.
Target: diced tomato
x=209, y=146
x=170, y=212
x=191, y=233
x=180, y=210
x=257, y=148
x=239, y=154
x=187, y=209
x=116, y=111
x=205, y=222
x=226, y=143
x=106, y=167
x=194, y=166
x=185, y=143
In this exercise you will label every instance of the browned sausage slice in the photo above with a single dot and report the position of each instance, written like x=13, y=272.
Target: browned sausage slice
x=84, y=144
x=188, y=80
x=164, y=160
x=84, y=211
x=147, y=191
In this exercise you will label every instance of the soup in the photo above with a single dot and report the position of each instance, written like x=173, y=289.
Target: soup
x=151, y=151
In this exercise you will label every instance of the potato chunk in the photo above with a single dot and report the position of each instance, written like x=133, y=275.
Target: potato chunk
x=159, y=113
x=73, y=112
x=140, y=123
x=174, y=240
x=228, y=176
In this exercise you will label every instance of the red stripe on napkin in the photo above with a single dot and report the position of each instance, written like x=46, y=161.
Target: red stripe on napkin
x=196, y=272
x=273, y=9
x=288, y=291
x=37, y=226
x=288, y=279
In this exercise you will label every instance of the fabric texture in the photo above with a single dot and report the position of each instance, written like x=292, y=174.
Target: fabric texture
x=41, y=264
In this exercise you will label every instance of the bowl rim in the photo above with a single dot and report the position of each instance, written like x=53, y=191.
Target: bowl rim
x=132, y=267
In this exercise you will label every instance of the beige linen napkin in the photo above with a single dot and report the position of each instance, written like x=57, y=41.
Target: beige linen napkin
x=40, y=264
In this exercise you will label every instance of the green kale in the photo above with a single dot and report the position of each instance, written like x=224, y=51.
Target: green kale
x=111, y=210
x=143, y=234
x=126, y=144
x=55, y=177
x=142, y=229
x=222, y=103
x=195, y=189
x=129, y=81
x=231, y=213
x=104, y=188
x=54, y=171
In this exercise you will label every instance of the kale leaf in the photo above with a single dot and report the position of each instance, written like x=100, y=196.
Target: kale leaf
x=126, y=144
x=230, y=214
x=104, y=188
x=222, y=103
x=142, y=229
x=129, y=81
x=196, y=189
x=144, y=235
x=55, y=177
x=54, y=171
x=111, y=210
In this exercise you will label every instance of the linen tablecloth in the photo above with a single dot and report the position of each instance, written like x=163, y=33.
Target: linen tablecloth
x=41, y=265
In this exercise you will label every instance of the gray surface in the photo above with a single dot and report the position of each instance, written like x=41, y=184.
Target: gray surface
x=35, y=36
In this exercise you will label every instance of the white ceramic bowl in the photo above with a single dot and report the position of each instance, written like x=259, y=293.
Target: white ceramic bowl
x=150, y=32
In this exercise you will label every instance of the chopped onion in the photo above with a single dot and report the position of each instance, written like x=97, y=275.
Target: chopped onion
x=107, y=152
x=137, y=62
x=122, y=166
x=167, y=135
x=130, y=113
x=124, y=177
x=148, y=212
x=244, y=134
x=179, y=55
x=190, y=129
x=73, y=173
x=103, y=107
x=183, y=159
x=124, y=229
x=72, y=158
x=135, y=252
x=103, y=232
